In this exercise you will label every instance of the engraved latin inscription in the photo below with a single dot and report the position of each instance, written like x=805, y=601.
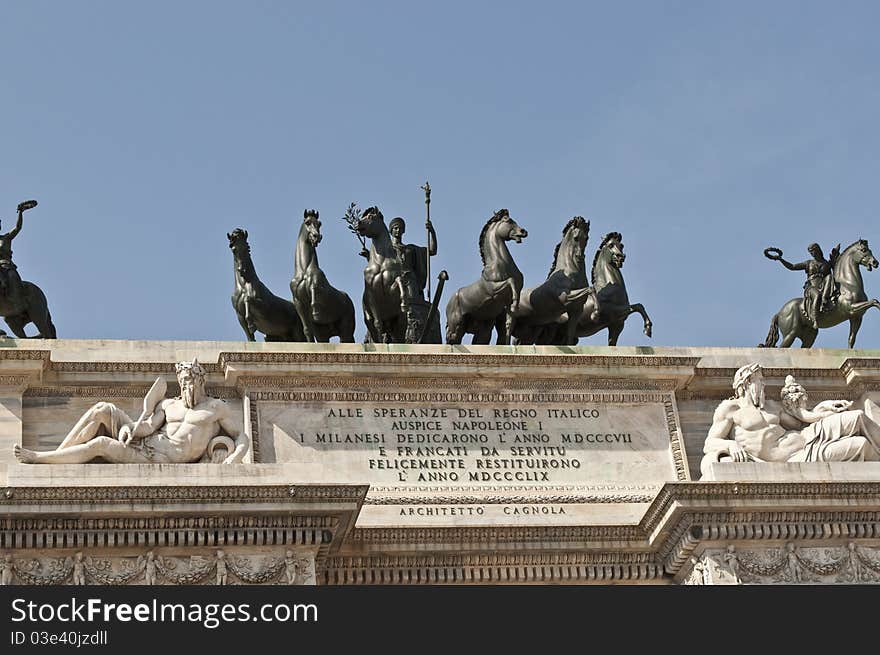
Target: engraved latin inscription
x=486, y=445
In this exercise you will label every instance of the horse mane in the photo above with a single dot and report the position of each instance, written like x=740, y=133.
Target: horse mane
x=611, y=236
x=373, y=210
x=577, y=220
x=497, y=216
x=239, y=233
x=855, y=243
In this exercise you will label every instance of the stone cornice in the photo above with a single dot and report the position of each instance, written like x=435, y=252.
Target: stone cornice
x=13, y=496
x=457, y=359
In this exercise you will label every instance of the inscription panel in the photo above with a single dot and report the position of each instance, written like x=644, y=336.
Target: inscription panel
x=477, y=462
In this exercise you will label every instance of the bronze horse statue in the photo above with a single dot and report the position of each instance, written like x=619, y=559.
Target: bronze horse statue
x=559, y=301
x=258, y=309
x=609, y=307
x=493, y=300
x=31, y=307
x=852, y=302
x=29, y=304
x=324, y=311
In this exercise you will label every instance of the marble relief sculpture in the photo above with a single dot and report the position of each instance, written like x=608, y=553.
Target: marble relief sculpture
x=194, y=427
x=750, y=428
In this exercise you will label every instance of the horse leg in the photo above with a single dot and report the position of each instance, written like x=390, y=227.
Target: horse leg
x=862, y=307
x=482, y=333
x=305, y=318
x=808, y=337
x=854, y=324
x=346, y=322
x=505, y=329
x=614, y=330
x=788, y=339
x=244, y=326
x=16, y=324
x=454, y=320
x=638, y=307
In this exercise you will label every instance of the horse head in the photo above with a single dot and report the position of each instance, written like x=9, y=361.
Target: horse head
x=312, y=225
x=610, y=252
x=574, y=241
x=371, y=223
x=864, y=255
x=504, y=227
x=238, y=242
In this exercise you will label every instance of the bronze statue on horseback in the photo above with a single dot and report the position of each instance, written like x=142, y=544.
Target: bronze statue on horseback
x=833, y=293
x=21, y=302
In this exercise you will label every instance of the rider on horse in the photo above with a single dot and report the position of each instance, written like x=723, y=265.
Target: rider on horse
x=819, y=287
x=10, y=280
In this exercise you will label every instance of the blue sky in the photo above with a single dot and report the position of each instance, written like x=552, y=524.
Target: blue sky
x=703, y=131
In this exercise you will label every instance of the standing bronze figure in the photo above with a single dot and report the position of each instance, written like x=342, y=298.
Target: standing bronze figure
x=325, y=312
x=257, y=308
x=492, y=301
x=21, y=302
x=555, y=306
x=830, y=296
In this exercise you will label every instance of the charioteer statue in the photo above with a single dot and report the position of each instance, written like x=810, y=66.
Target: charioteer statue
x=833, y=293
x=413, y=257
x=395, y=278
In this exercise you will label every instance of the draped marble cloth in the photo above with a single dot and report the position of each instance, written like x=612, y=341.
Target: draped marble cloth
x=835, y=439
x=113, y=418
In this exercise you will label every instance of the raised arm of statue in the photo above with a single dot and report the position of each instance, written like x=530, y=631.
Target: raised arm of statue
x=14, y=231
x=801, y=266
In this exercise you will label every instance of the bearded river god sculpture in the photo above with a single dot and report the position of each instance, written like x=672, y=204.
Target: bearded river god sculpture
x=833, y=293
x=750, y=428
x=191, y=428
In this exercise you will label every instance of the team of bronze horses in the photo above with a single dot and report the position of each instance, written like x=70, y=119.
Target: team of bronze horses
x=565, y=307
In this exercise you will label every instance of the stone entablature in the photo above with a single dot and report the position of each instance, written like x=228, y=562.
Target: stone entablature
x=631, y=515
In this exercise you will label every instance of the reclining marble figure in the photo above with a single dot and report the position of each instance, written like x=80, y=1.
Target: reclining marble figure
x=748, y=428
x=191, y=428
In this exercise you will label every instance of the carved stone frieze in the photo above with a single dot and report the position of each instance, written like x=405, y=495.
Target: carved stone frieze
x=787, y=564
x=218, y=566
